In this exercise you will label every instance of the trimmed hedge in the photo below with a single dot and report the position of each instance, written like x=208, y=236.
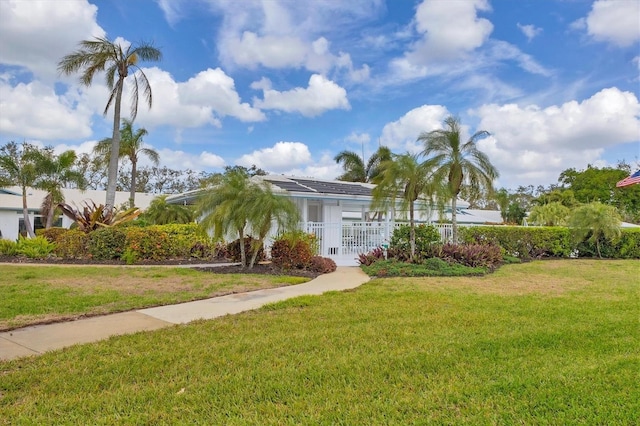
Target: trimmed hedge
x=426, y=235
x=107, y=243
x=627, y=247
x=293, y=250
x=72, y=244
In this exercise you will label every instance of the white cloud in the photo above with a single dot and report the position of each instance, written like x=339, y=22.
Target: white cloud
x=36, y=34
x=613, y=21
x=282, y=155
x=180, y=160
x=530, y=31
x=325, y=168
x=358, y=138
x=33, y=110
x=535, y=144
x=320, y=96
x=402, y=133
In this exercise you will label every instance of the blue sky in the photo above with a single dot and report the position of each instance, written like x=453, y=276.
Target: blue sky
x=287, y=84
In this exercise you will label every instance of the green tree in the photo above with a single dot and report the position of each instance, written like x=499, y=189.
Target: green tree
x=56, y=172
x=405, y=179
x=594, y=221
x=131, y=148
x=551, y=214
x=457, y=163
x=160, y=212
x=503, y=199
x=18, y=167
x=356, y=171
x=102, y=54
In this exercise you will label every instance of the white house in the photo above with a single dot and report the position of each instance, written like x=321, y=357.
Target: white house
x=12, y=217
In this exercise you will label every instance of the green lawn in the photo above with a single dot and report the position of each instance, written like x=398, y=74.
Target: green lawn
x=553, y=342
x=37, y=294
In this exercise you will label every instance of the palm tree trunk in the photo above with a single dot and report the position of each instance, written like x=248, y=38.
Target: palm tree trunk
x=132, y=191
x=412, y=232
x=112, y=175
x=454, y=220
x=25, y=212
x=243, y=255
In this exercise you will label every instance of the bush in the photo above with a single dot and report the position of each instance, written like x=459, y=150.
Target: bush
x=182, y=238
x=293, y=250
x=323, y=265
x=522, y=242
x=626, y=247
x=435, y=264
x=52, y=235
x=233, y=250
x=107, y=243
x=8, y=248
x=148, y=243
x=371, y=257
x=34, y=248
x=472, y=255
x=426, y=235
x=72, y=245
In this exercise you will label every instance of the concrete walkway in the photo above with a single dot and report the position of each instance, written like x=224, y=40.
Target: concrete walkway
x=38, y=339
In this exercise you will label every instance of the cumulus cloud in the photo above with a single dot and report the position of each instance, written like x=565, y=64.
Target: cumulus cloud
x=613, y=21
x=324, y=168
x=36, y=34
x=535, y=144
x=319, y=96
x=530, y=31
x=180, y=160
x=282, y=155
x=358, y=138
x=402, y=134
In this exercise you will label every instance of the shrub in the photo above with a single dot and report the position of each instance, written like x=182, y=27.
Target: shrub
x=626, y=247
x=323, y=265
x=34, y=248
x=183, y=237
x=220, y=251
x=472, y=255
x=293, y=250
x=435, y=264
x=233, y=250
x=373, y=256
x=426, y=235
x=52, y=235
x=148, y=243
x=72, y=245
x=395, y=268
x=107, y=243
x=8, y=248
x=522, y=242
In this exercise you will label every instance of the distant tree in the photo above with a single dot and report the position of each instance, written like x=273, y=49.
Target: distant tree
x=250, y=171
x=551, y=214
x=18, y=167
x=408, y=180
x=594, y=221
x=160, y=212
x=131, y=148
x=458, y=163
x=565, y=197
x=102, y=54
x=503, y=200
x=93, y=170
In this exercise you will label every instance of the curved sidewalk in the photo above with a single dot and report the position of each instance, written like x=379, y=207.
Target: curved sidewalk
x=35, y=340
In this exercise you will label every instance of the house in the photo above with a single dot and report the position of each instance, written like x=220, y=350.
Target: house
x=12, y=217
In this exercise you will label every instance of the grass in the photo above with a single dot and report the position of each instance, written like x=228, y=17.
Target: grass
x=553, y=342
x=36, y=294
x=397, y=268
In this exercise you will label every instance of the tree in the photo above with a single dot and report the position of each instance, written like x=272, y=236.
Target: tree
x=93, y=170
x=56, y=172
x=594, y=221
x=131, y=147
x=18, y=167
x=551, y=214
x=404, y=177
x=102, y=54
x=457, y=163
x=354, y=168
x=160, y=212
x=502, y=197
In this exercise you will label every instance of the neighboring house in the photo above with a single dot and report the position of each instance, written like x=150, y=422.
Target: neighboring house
x=12, y=218
x=339, y=214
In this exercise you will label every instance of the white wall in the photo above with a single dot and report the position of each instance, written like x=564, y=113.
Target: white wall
x=9, y=224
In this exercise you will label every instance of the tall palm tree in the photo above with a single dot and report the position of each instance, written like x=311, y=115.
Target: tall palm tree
x=102, y=54
x=406, y=178
x=18, y=167
x=458, y=163
x=56, y=172
x=131, y=147
x=354, y=168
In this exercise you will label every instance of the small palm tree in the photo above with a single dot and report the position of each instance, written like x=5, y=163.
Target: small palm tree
x=551, y=214
x=457, y=163
x=131, y=147
x=160, y=212
x=595, y=221
x=354, y=168
x=102, y=54
x=406, y=178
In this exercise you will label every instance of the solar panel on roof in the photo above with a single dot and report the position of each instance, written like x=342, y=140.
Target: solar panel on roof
x=335, y=187
x=290, y=186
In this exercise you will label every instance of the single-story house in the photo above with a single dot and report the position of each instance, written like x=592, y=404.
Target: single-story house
x=12, y=217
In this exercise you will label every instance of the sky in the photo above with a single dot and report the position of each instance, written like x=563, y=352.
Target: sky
x=286, y=84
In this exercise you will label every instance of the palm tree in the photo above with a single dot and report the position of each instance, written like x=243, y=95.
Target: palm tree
x=160, y=212
x=57, y=171
x=457, y=163
x=595, y=221
x=404, y=177
x=18, y=167
x=551, y=214
x=355, y=169
x=131, y=147
x=102, y=54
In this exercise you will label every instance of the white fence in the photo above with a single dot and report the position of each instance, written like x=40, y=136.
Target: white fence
x=351, y=238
